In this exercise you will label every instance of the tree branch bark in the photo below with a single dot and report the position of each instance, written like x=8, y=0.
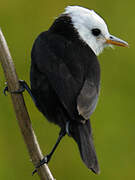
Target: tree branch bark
x=21, y=110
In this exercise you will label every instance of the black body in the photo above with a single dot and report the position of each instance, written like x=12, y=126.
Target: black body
x=65, y=78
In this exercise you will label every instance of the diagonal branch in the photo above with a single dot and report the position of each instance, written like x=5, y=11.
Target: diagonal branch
x=21, y=110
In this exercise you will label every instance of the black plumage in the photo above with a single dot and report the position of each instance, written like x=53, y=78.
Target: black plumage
x=65, y=80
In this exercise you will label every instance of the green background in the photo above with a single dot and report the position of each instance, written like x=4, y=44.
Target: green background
x=113, y=121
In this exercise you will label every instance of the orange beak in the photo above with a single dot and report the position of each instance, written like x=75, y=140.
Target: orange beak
x=116, y=41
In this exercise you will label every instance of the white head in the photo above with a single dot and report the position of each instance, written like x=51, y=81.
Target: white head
x=92, y=28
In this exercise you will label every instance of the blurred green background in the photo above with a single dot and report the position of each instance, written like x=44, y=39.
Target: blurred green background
x=113, y=121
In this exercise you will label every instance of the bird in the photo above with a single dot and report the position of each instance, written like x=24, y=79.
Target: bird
x=65, y=76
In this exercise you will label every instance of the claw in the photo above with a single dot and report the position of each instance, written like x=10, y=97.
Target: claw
x=34, y=172
x=5, y=90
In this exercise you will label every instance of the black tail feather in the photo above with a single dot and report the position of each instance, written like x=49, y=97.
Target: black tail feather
x=83, y=136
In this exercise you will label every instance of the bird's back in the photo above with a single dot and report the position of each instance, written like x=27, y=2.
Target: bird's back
x=56, y=60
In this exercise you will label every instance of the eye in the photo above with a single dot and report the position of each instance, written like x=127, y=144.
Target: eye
x=96, y=32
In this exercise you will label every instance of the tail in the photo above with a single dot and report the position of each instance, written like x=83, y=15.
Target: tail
x=83, y=136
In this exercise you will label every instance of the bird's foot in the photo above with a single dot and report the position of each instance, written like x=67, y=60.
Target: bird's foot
x=23, y=86
x=45, y=160
x=20, y=90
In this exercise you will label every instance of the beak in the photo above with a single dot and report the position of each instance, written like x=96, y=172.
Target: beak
x=116, y=41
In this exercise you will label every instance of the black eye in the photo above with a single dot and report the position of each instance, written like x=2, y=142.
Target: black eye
x=96, y=32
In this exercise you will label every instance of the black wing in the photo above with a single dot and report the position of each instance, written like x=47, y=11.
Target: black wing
x=87, y=99
x=65, y=64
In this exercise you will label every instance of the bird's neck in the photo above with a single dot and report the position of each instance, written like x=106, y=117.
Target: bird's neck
x=64, y=27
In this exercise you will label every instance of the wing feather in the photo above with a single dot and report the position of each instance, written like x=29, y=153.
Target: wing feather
x=87, y=99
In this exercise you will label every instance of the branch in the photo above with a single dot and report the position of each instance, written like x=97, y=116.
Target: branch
x=21, y=110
